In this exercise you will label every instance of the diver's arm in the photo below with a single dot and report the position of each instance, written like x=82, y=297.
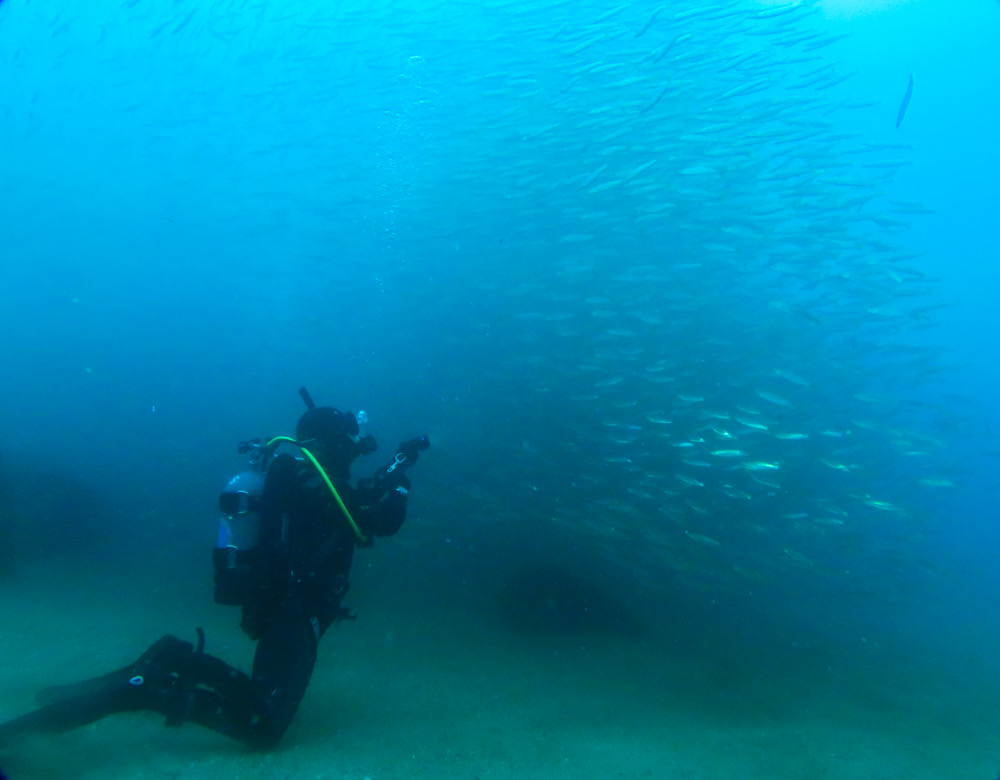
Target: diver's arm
x=382, y=502
x=390, y=512
x=384, y=496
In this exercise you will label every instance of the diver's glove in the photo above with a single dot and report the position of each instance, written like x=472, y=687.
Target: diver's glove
x=394, y=475
x=393, y=480
x=409, y=449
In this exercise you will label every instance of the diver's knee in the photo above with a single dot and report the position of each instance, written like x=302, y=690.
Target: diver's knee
x=265, y=736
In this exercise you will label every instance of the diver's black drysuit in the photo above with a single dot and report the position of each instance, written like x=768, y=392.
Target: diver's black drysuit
x=290, y=586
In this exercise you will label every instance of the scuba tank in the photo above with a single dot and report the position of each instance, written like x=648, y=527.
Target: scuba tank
x=239, y=524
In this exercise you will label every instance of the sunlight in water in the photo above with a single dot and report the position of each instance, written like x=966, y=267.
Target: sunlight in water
x=846, y=8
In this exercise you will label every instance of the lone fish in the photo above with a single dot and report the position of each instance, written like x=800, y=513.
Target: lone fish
x=649, y=22
x=905, y=104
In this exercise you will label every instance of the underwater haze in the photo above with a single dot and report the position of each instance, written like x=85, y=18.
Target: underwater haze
x=696, y=301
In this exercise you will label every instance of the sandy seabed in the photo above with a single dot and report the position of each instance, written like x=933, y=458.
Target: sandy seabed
x=433, y=693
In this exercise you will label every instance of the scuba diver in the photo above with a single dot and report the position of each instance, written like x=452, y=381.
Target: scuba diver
x=286, y=540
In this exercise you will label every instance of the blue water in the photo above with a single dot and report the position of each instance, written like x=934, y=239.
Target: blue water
x=575, y=244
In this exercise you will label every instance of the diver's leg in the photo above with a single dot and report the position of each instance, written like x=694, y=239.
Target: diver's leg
x=145, y=684
x=168, y=652
x=257, y=710
x=282, y=668
x=172, y=679
x=222, y=698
